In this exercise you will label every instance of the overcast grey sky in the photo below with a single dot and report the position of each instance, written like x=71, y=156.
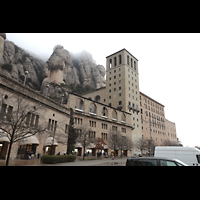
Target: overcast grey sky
x=168, y=67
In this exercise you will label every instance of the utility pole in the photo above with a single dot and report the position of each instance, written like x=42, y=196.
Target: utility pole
x=150, y=136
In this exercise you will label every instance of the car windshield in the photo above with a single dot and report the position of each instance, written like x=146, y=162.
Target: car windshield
x=180, y=163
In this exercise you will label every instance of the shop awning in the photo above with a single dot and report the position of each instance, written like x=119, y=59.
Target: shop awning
x=31, y=139
x=78, y=145
x=91, y=146
x=3, y=136
x=49, y=142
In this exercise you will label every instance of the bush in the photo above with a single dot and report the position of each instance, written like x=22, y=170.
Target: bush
x=52, y=159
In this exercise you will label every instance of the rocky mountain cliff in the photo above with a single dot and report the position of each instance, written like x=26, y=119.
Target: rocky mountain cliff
x=66, y=68
x=62, y=72
x=15, y=61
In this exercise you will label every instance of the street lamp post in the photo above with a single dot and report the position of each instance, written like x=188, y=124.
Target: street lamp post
x=47, y=86
x=26, y=72
x=150, y=136
x=151, y=150
x=62, y=98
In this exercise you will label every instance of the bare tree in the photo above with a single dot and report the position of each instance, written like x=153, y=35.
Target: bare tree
x=141, y=144
x=114, y=139
x=167, y=142
x=126, y=144
x=150, y=146
x=19, y=121
x=85, y=138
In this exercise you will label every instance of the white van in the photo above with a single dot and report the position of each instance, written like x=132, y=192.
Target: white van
x=188, y=155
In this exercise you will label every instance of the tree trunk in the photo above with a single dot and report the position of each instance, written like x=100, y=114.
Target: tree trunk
x=84, y=152
x=10, y=147
x=9, y=151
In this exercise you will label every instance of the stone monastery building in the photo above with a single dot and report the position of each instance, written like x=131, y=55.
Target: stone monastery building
x=118, y=106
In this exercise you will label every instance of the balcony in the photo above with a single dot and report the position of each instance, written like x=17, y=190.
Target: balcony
x=133, y=109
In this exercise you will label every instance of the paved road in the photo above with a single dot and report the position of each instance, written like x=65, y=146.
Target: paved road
x=103, y=162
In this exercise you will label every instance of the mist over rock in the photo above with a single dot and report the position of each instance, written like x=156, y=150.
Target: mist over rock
x=69, y=69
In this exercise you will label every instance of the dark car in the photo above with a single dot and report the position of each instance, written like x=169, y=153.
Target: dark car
x=151, y=161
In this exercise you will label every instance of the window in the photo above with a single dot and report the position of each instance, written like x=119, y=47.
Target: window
x=115, y=61
x=80, y=106
x=123, y=117
x=110, y=63
x=123, y=130
x=52, y=125
x=114, y=114
x=120, y=59
x=32, y=120
x=167, y=163
x=147, y=162
x=92, y=108
x=92, y=123
x=127, y=60
x=134, y=65
x=97, y=98
x=6, y=112
x=131, y=63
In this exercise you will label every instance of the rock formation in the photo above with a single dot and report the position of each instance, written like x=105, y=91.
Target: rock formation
x=90, y=73
x=62, y=72
x=69, y=69
x=16, y=61
x=2, y=38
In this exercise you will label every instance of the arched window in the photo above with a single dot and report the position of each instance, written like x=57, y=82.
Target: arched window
x=123, y=117
x=105, y=112
x=114, y=114
x=97, y=98
x=92, y=108
x=80, y=104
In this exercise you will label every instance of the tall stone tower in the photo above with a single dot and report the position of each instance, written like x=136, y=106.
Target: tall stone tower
x=122, y=87
x=2, y=38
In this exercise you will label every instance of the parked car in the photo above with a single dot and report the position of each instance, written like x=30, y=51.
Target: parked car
x=152, y=161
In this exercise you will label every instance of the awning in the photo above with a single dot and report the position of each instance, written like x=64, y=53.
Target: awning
x=49, y=142
x=78, y=145
x=3, y=136
x=91, y=146
x=31, y=139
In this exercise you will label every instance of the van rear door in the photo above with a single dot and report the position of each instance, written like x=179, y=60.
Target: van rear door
x=198, y=160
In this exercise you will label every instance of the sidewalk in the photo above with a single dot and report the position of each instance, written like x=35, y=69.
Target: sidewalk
x=99, y=162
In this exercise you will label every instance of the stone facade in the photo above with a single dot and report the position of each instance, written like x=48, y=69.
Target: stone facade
x=153, y=117
x=170, y=129
x=122, y=92
x=93, y=115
